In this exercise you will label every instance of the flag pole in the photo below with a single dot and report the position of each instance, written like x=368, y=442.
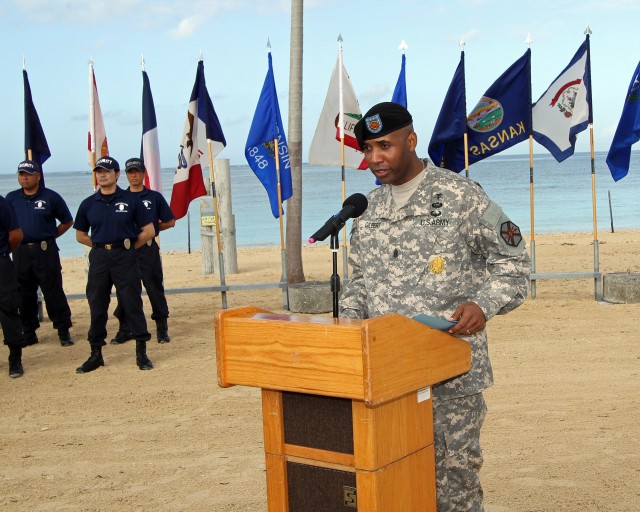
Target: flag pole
x=465, y=137
x=212, y=178
x=531, y=200
x=29, y=154
x=283, y=250
x=596, y=258
x=345, y=264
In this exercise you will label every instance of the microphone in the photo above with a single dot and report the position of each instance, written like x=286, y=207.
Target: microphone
x=353, y=207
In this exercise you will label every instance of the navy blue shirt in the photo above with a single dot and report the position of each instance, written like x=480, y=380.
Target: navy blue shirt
x=157, y=206
x=111, y=220
x=8, y=222
x=37, y=214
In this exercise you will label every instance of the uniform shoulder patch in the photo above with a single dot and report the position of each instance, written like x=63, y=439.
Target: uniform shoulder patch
x=510, y=233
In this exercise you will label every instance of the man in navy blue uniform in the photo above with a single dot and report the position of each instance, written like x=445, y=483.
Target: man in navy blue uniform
x=37, y=261
x=148, y=255
x=10, y=238
x=119, y=223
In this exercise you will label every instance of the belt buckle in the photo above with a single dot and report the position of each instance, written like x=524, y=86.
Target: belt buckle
x=149, y=242
x=43, y=245
x=127, y=243
x=107, y=247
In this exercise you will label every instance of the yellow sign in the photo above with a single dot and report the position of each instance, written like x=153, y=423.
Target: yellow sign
x=208, y=220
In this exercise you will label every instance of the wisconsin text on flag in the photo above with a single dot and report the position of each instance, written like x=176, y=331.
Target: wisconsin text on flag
x=564, y=110
x=201, y=126
x=267, y=134
x=628, y=131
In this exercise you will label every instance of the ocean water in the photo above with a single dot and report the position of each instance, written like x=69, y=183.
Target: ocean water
x=562, y=198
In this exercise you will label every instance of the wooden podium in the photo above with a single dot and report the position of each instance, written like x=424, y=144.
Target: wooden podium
x=346, y=405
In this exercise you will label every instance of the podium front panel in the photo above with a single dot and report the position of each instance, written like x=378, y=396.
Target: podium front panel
x=315, y=489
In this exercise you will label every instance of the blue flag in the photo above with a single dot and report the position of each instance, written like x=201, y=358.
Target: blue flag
x=502, y=117
x=446, y=147
x=628, y=131
x=34, y=138
x=260, y=150
x=400, y=92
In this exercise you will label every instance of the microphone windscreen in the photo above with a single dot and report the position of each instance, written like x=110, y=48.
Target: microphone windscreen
x=359, y=203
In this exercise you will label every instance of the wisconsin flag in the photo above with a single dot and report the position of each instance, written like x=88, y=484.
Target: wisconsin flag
x=266, y=137
x=150, y=150
x=34, y=139
x=628, y=131
x=98, y=146
x=400, y=92
x=564, y=110
x=502, y=117
x=446, y=147
x=325, y=146
x=200, y=127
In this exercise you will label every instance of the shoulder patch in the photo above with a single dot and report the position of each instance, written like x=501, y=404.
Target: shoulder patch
x=510, y=233
x=491, y=215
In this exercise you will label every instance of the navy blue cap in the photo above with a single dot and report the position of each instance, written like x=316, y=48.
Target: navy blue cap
x=108, y=163
x=29, y=166
x=134, y=164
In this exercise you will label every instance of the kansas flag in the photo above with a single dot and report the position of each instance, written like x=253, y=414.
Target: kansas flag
x=628, y=131
x=267, y=140
x=502, y=117
x=34, y=139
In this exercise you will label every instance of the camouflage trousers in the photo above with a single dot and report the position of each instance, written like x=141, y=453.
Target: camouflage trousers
x=457, y=423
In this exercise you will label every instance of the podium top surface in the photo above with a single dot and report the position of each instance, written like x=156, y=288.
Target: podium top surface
x=374, y=360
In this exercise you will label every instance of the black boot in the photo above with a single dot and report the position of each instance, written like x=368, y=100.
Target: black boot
x=65, y=337
x=142, y=360
x=15, y=361
x=94, y=362
x=162, y=330
x=122, y=336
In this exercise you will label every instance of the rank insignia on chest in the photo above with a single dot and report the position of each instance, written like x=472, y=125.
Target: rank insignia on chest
x=437, y=265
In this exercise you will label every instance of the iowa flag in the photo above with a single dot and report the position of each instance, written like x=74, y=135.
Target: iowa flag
x=201, y=126
x=325, y=146
x=150, y=151
x=564, y=110
x=34, y=139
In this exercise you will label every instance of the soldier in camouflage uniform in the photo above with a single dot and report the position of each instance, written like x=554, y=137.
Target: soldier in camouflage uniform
x=432, y=242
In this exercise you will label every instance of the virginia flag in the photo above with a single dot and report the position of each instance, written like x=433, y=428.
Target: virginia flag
x=98, y=146
x=564, y=110
x=502, y=117
x=260, y=150
x=150, y=150
x=325, y=146
x=628, y=131
x=201, y=126
x=400, y=92
x=446, y=147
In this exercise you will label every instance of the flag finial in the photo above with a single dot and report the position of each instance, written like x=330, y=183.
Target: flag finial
x=201, y=57
x=340, y=38
x=403, y=46
x=24, y=63
x=268, y=45
x=462, y=43
x=142, y=61
x=587, y=31
x=528, y=41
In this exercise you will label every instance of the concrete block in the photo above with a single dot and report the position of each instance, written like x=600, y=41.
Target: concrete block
x=621, y=288
x=311, y=297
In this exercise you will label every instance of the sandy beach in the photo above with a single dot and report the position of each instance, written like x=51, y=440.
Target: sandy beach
x=562, y=433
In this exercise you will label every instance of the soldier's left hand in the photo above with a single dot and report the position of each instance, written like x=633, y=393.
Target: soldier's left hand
x=470, y=319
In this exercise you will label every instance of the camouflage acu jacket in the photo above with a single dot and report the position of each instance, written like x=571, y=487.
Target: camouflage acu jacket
x=448, y=245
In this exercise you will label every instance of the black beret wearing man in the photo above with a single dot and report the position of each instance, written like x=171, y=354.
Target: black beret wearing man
x=432, y=242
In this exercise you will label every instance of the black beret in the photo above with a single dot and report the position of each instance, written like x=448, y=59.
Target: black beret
x=380, y=120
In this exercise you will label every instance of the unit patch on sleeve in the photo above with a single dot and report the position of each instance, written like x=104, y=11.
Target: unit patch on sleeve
x=510, y=233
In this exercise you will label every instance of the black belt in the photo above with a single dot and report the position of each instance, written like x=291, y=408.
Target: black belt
x=125, y=244
x=42, y=244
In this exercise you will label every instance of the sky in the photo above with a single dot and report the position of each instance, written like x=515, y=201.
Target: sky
x=56, y=39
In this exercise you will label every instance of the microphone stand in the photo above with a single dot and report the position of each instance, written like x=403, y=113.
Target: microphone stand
x=335, y=277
